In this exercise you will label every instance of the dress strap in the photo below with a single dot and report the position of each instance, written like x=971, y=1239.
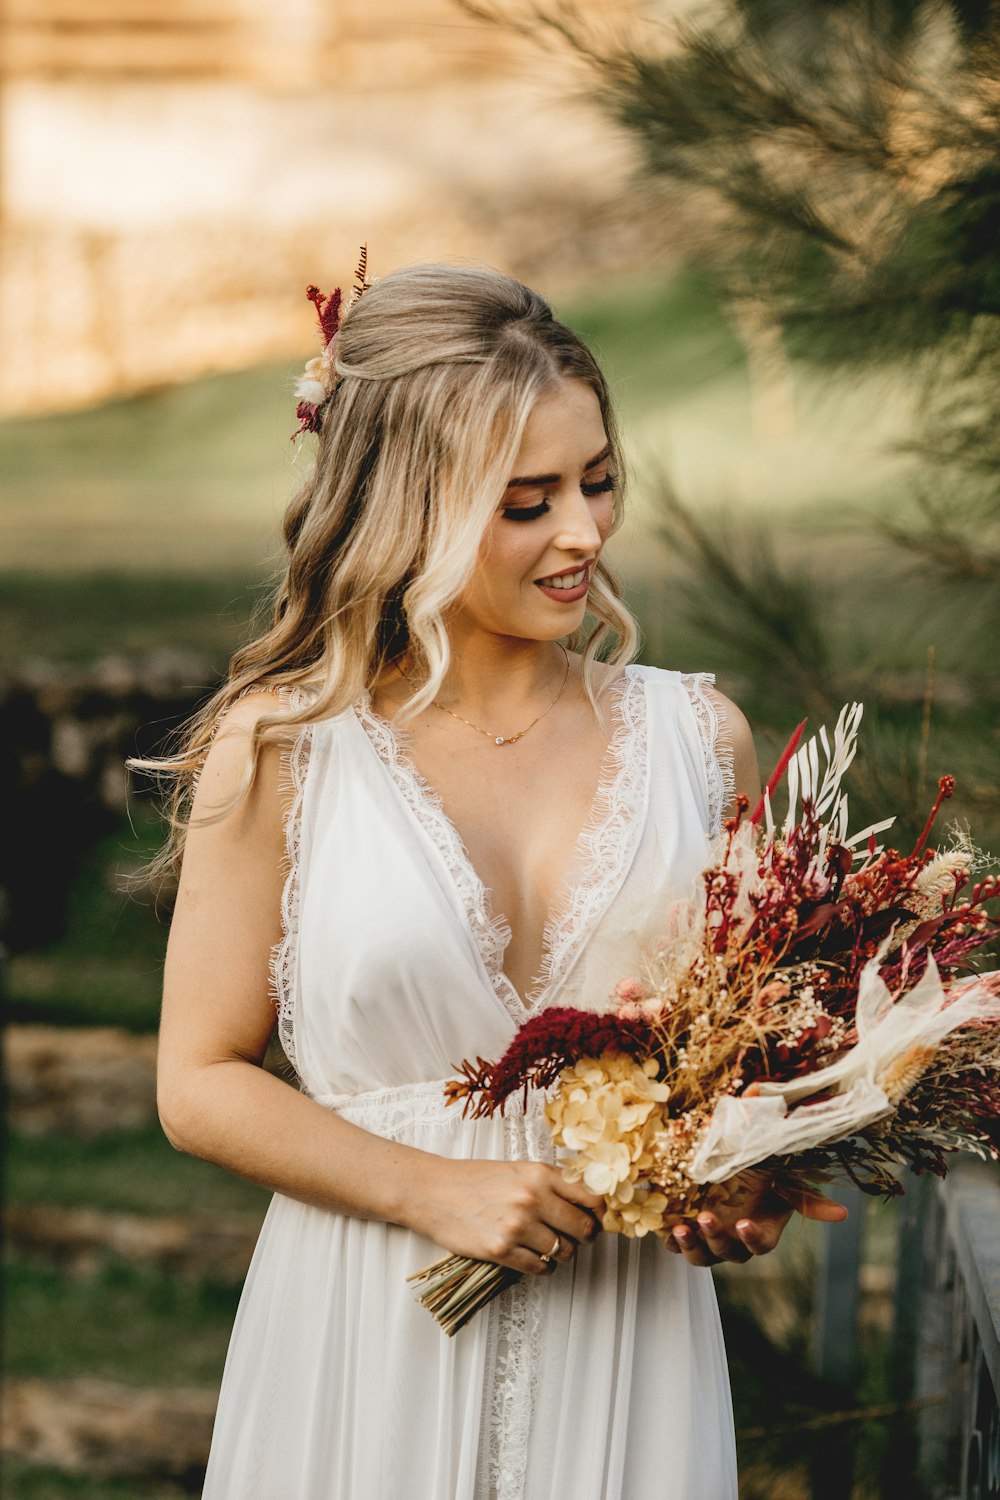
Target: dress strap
x=717, y=747
x=294, y=764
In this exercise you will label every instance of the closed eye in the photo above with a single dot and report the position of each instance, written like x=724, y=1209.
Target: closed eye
x=532, y=512
x=526, y=512
x=600, y=486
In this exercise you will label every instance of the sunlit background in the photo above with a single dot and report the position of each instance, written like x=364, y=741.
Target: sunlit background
x=173, y=176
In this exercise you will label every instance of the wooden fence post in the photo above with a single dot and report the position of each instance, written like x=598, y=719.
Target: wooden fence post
x=838, y=1287
x=835, y=1338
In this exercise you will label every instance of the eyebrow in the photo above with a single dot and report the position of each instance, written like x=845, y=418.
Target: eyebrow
x=527, y=480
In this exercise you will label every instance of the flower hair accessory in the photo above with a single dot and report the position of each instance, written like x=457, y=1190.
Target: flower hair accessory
x=316, y=384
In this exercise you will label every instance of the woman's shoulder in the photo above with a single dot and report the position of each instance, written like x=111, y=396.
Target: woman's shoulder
x=723, y=727
x=292, y=706
x=235, y=790
x=266, y=704
x=251, y=737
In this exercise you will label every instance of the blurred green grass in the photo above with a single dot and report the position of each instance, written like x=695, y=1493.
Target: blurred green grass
x=34, y=1482
x=134, y=1172
x=77, y=617
x=126, y=1322
x=47, y=988
x=186, y=478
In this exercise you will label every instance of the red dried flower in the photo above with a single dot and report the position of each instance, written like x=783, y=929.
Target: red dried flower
x=327, y=311
x=310, y=418
x=543, y=1046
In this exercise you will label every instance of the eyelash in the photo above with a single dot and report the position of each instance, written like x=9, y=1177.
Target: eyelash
x=532, y=512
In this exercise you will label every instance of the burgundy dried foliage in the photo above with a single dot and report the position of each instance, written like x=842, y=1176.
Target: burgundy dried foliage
x=310, y=418
x=543, y=1046
x=327, y=311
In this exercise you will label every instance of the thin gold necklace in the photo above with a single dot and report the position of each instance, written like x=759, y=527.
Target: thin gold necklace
x=499, y=739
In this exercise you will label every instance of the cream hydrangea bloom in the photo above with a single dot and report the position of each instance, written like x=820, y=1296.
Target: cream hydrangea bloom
x=606, y=1112
x=642, y=1214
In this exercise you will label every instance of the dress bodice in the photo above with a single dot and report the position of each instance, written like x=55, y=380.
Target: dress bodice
x=391, y=968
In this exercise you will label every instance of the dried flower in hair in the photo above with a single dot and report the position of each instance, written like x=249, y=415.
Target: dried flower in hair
x=311, y=386
x=315, y=386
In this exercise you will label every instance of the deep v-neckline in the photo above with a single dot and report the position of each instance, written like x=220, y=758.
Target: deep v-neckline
x=600, y=859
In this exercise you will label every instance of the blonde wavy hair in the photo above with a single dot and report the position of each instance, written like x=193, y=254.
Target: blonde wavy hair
x=438, y=368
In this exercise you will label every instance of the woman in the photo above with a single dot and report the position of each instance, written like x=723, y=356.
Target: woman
x=419, y=816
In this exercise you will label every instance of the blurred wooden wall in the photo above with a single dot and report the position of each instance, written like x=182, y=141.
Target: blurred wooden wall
x=175, y=172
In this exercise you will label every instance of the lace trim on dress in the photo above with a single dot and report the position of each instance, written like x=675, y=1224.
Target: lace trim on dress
x=514, y=1344
x=492, y=934
x=606, y=843
x=718, y=749
x=393, y=1112
x=294, y=761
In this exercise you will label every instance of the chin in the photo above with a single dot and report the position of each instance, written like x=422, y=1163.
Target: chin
x=568, y=621
x=546, y=624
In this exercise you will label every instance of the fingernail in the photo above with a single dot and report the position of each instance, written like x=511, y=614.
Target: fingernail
x=681, y=1234
x=706, y=1221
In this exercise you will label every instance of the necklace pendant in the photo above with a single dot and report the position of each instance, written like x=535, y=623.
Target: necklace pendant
x=499, y=740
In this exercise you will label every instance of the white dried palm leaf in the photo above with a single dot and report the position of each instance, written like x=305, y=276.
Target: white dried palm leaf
x=819, y=782
x=865, y=834
x=821, y=785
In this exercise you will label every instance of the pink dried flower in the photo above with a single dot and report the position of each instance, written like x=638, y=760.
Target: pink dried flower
x=630, y=991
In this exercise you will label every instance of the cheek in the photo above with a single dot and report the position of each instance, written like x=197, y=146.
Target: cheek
x=604, y=516
x=506, y=557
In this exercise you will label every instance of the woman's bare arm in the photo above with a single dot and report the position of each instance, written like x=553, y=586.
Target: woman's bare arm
x=216, y=1101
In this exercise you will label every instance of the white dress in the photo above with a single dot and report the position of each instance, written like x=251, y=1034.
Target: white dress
x=606, y=1380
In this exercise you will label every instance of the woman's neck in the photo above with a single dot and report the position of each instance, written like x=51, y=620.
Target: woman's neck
x=500, y=675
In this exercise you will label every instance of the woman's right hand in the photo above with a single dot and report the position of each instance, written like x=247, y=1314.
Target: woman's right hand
x=509, y=1212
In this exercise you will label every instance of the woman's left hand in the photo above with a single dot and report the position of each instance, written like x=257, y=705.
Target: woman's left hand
x=746, y=1218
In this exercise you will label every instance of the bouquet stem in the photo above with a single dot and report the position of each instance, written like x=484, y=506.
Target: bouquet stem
x=455, y=1288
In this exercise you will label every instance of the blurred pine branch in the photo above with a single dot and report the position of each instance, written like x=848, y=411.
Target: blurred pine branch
x=736, y=592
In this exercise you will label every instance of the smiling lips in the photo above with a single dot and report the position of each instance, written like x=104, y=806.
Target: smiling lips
x=568, y=586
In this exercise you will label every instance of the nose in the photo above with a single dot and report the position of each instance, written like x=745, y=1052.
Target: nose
x=578, y=529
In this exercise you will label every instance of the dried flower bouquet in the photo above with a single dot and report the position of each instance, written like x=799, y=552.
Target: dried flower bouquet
x=811, y=1012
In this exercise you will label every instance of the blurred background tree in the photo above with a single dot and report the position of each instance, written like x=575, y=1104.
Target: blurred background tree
x=849, y=158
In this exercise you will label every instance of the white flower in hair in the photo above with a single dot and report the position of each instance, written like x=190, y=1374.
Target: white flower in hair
x=311, y=385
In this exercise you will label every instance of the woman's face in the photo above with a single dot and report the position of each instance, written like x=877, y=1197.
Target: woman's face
x=539, y=551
